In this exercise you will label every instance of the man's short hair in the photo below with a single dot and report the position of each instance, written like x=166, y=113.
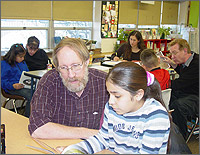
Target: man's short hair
x=149, y=58
x=182, y=44
x=33, y=42
x=77, y=45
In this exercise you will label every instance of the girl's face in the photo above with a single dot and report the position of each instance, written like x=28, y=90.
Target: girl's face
x=133, y=41
x=20, y=57
x=121, y=100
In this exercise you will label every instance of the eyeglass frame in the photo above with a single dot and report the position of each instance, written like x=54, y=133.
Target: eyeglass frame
x=70, y=67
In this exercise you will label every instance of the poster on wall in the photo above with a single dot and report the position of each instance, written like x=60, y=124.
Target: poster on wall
x=109, y=19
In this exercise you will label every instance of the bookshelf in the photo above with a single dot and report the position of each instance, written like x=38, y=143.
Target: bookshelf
x=158, y=45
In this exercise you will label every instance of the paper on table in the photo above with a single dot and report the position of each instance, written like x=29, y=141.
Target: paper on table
x=112, y=63
x=103, y=68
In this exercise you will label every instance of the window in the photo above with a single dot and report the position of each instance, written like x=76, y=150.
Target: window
x=75, y=29
x=18, y=31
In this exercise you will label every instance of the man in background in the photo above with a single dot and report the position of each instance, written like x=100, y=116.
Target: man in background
x=185, y=89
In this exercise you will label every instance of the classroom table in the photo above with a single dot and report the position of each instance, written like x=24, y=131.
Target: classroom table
x=17, y=136
x=35, y=75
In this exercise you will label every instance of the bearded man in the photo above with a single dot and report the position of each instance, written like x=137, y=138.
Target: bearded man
x=69, y=100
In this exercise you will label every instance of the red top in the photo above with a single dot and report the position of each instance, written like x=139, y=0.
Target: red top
x=162, y=76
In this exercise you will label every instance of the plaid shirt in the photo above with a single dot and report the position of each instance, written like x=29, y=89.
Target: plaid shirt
x=53, y=102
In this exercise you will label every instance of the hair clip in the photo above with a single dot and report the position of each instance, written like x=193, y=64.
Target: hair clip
x=16, y=45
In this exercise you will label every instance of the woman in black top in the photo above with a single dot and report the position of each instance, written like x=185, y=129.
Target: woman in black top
x=132, y=49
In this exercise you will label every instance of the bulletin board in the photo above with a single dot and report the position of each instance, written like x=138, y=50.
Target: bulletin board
x=109, y=19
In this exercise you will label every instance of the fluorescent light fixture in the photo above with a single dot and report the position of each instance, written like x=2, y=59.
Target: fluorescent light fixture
x=148, y=2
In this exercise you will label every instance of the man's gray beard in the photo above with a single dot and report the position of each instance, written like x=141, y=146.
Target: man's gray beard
x=76, y=88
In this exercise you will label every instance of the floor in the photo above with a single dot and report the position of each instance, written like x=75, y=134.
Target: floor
x=193, y=144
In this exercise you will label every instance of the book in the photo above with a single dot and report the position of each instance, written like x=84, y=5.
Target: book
x=25, y=80
x=3, y=147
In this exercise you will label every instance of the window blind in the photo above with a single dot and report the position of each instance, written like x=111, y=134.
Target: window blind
x=128, y=12
x=170, y=12
x=40, y=10
x=73, y=10
x=62, y=10
x=149, y=14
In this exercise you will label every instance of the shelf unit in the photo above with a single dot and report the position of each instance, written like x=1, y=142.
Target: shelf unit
x=160, y=44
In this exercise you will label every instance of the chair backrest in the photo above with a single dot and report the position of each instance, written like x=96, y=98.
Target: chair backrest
x=6, y=95
x=166, y=94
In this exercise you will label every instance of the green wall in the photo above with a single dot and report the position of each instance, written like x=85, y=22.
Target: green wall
x=194, y=13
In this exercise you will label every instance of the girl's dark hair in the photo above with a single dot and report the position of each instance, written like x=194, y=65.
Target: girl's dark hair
x=132, y=77
x=16, y=49
x=141, y=45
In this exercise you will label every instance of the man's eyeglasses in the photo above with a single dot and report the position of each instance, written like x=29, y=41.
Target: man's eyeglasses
x=74, y=68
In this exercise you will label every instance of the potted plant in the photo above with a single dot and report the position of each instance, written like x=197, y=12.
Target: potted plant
x=164, y=32
x=122, y=37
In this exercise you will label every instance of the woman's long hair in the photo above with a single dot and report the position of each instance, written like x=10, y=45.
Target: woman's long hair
x=16, y=49
x=141, y=45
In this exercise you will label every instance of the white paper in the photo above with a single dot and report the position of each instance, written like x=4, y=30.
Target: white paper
x=25, y=80
x=113, y=63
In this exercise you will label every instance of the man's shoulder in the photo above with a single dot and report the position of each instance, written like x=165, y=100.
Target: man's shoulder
x=51, y=75
x=97, y=74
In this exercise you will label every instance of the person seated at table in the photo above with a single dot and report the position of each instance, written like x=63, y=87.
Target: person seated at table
x=12, y=66
x=185, y=89
x=131, y=50
x=69, y=100
x=150, y=62
x=35, y=58
x=135, y=118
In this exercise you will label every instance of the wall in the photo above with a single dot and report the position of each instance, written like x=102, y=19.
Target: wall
x=107, y=44
x=97, y=23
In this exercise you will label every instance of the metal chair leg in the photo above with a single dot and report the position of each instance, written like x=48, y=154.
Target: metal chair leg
x=14, y=106
x=193, y=128
x=6, y=101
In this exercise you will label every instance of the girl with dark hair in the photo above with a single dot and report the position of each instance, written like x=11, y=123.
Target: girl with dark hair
x=12, y=67
x=132, y=49
x=135, y=118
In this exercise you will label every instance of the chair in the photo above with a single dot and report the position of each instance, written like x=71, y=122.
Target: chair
x=166, y=94
x=12, y=97
x=195, y=127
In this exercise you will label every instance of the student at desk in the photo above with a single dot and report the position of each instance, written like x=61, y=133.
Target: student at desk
x=135, y=118
x=150, y=62
x=36, y=58
x=69, y=100
x=12, y=66
x=132, y=49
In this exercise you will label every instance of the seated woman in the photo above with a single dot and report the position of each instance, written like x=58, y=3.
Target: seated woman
x=36, y=58
x=131, y=50
x=12, y=66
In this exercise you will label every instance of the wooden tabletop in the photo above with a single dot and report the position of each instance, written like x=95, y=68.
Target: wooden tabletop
x=17, y=136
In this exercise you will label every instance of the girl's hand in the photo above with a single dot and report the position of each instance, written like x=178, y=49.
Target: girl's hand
x=116, y=58
x=18, y=86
